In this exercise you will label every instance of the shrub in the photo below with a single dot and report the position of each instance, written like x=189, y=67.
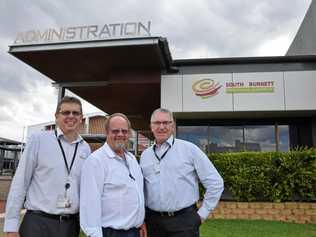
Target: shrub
x=269, y=176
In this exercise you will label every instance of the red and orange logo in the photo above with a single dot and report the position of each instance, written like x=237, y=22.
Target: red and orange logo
x=206, y=88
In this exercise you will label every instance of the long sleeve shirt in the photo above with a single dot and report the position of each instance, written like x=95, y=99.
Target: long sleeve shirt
x=41, y=176
x=111, y=192
x=172, y=174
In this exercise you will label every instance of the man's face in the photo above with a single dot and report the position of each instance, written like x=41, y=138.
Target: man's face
x=162, y=127
x=117, y=134
x=69, y=118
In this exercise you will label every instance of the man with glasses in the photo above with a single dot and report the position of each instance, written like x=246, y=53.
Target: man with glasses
x=111, y=196
x=172, y=169
x=48, y=177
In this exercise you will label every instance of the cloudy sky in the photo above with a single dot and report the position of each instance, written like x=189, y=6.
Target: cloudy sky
x=194, y=29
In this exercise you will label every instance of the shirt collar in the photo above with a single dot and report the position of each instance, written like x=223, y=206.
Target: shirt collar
x=168, y=142
x=111, y=154
x=61, y=134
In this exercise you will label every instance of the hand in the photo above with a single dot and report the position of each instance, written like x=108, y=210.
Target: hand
x=11, y=234
x=143, y=230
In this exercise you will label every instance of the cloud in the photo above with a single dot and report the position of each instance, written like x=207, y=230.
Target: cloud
x=194, y=29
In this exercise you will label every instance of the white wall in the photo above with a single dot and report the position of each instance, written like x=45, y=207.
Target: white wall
x=259, y=91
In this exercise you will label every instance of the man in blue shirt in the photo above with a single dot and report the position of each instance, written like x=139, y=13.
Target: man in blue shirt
x=172, y=169
x=47, y=179
x=111, y=195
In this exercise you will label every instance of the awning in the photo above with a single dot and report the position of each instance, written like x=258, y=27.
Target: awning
x=121, y=75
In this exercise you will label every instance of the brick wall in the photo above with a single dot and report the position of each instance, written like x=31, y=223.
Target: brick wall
x=5, y=182
x=288, y=211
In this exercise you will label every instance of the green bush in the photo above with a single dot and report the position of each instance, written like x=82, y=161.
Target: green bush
x=269, y=176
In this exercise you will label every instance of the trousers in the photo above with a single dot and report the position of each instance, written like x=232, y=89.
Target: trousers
x=109, y=232
x=184, y=223
x=36, y=225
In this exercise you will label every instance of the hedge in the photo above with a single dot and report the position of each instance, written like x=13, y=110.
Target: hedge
x=268, y=176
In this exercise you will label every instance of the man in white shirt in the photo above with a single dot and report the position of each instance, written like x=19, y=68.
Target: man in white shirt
x=48, y=177
x=172, y=168
x=111, y=196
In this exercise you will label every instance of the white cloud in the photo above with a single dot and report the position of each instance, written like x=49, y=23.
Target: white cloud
x=194, y=29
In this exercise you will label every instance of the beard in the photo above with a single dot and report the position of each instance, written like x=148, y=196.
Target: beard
x=120, y=145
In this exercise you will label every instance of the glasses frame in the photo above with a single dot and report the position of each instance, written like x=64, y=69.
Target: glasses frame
x=75, y=113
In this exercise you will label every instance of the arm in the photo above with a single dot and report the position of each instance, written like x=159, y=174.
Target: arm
x=19, y=187
x=143, y=230
x=91, y=187
x=210, y=179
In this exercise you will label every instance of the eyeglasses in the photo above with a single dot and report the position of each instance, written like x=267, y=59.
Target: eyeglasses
x=68, y=112
x=164, y=123
x=117, y=131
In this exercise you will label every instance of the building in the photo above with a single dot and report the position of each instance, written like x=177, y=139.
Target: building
x=92, y=130
x=10, y=152
x=221, y=104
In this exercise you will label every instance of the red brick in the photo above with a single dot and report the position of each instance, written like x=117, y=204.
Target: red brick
x=2, y=206
x=311, y=212
x=268, y=206
x=278, y=205
x=243, y=216
x=242, y=205
x=236, y=211
x=281, y=218
x=256, y=205
x=255, y=217
x=312, y=205
x=273, y=211
x=304, y=206
x=313, y=220
x=290, y=205
x=268, y=217
x=231, y=205
x=261, y=211
x=285, y=212
x=248, y=211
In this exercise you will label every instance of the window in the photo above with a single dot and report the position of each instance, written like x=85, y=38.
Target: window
x=196, y=134
x=237, y=138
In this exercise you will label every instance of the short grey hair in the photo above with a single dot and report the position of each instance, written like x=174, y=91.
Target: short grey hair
x=161, y=110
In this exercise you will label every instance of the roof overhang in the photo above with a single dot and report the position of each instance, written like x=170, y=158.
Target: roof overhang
x=121, y=75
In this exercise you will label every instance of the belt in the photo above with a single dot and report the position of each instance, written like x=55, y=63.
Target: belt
x=61, y=217
x=171, y=213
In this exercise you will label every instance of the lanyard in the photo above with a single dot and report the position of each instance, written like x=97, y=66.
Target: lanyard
x=64, y=156
x=164, y=154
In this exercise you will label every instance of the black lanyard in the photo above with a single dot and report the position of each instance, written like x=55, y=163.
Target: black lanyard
x=164, y=154
x=64, y=156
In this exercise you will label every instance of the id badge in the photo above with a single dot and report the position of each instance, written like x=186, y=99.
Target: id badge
x=63, y=202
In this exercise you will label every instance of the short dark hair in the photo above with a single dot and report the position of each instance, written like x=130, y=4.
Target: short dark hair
x=68, y=99
x=108, y=120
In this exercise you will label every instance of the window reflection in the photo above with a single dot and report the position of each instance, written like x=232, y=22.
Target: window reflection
x=284, y=142
x=225, y=139
x=195, y=134
x=236, y=138
x=260, y=138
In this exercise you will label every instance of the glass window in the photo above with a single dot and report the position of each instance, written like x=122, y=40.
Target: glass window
x=236, y=138
x=225, y=139
x=260, y=138
x=284, y=141
x=196, y=134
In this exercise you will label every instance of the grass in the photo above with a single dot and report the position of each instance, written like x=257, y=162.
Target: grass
x=256, y=228
x=247, y=228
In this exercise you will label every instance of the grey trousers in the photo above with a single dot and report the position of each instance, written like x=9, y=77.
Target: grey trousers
x=34, y=225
